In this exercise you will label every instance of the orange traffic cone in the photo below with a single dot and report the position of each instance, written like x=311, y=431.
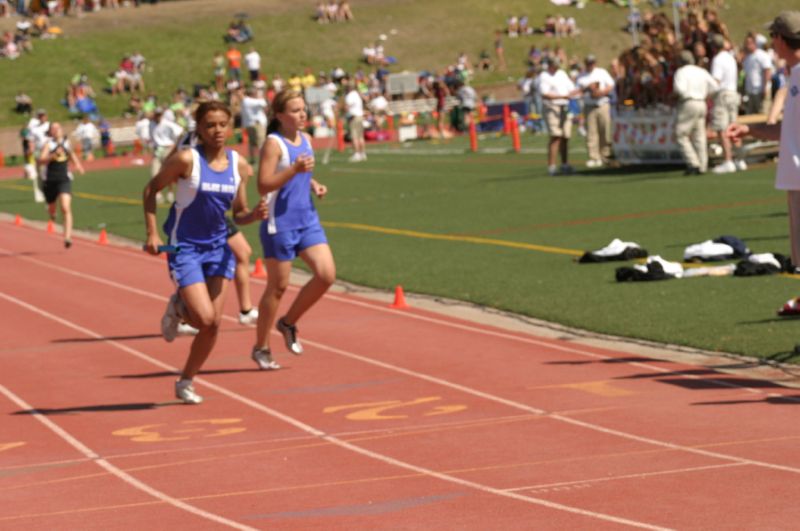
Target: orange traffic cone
x=103, y=239
x=18, y=220
x=399, y=299
x=259, y=272
x=51, y=228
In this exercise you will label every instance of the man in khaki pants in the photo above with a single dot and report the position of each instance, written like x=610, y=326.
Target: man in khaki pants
x=596, y=84
x=692, y=87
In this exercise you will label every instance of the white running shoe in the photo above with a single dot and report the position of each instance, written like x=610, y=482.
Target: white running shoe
x=184, y=391
x=263, y=358
x=170, y=320
x=594, y=163
x=185, y=329
x=249, y=318
x=289, y=336
x=726, y=167
x=552, y=170
x=741, y=165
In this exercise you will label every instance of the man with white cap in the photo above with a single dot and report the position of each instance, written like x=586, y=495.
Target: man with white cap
x=556, y=88
x=692, y=86
x=785, y=33
x=726, y=101
x=596, y=84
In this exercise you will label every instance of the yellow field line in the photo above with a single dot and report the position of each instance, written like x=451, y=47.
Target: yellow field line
x=82, y=195
x=452, y=238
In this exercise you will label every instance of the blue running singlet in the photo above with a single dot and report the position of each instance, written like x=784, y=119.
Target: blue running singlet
x=198, y=215
x=291, y=206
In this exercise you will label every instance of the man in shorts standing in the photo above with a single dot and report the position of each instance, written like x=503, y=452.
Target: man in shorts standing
x=556, y=88
x=726, y=101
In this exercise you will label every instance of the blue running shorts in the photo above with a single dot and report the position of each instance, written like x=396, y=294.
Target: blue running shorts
x=195, y=264
x=286, y=245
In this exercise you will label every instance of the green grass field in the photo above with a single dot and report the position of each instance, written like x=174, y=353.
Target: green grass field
x=495, y=230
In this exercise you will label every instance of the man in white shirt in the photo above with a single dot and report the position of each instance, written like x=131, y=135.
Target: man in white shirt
x=87, y=135
x=354, y=110
x=785, y=32
x=757, y=67
x=164, y=134
x=254, y=121
x=252, y=61
x=596, y=84
x=726, y=101
x=556, y=88
x=39, y=127
x=692, y=86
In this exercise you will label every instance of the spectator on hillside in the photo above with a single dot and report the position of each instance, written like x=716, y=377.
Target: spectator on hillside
x=344, y=12
x=10, y=49
x=484, y=60
x=234, y=57
x=333, y=11
x=321, y=13
x=238, y=32
x=499, y=52
x=757, y=67
x=308, y=79
x=512, y=26
x=252, y=60
x=218, y=63
x=24, y=103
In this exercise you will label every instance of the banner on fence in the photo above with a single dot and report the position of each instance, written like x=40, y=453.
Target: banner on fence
x=646, y=137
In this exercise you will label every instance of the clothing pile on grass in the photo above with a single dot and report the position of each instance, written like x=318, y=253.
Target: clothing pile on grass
x=722, y=248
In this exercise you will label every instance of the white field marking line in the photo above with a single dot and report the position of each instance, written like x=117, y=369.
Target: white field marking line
x=570, y=349
x=473, y=329
x=294, y=422
x=627, y=476
x=111, y=469
x=488, y=396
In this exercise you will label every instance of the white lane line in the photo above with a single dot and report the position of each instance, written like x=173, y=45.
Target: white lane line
x=473, y=329
x=641, y=475
x=111, y=469
x=475, y=392
x=301, y=426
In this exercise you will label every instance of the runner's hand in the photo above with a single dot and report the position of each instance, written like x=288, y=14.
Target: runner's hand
x=153, y=243
x=304, y=164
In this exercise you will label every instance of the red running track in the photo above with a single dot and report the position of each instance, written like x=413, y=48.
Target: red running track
x=391, y=420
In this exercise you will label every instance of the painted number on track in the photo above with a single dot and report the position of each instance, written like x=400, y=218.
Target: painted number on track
x=188, y=429
x=9, y=446
x=388, y=409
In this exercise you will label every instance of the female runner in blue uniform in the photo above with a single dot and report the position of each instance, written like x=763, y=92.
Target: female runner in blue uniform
x=293, y=228
x=210, y=180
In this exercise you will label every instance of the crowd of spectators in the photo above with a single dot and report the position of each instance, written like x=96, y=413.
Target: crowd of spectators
x=644, y=72
x=552, y=26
